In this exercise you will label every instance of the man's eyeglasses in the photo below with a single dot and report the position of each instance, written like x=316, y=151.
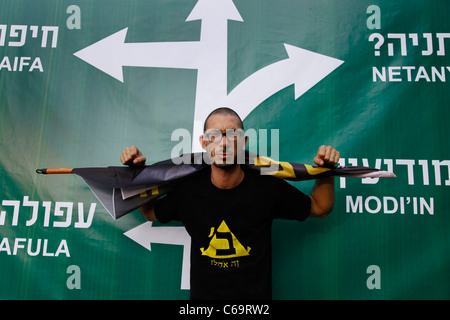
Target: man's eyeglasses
x=215, y=135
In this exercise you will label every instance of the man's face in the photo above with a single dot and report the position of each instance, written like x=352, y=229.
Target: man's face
x=223, y=140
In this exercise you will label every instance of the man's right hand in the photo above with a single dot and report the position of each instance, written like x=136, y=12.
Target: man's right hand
x=132, y=156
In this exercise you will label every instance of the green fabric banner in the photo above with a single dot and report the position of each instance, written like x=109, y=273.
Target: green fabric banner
x=81, y=81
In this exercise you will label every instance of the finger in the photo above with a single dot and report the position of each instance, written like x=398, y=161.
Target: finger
x=139, y=160
x=334, y=158
x=129, y=154
x=124, y=156
x=321, y=152
x=327, y=154
x=331, y=157
x=318, y=160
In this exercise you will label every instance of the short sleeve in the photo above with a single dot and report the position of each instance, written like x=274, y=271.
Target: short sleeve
x=290, y=203
x=165, y=209
x=180, y=199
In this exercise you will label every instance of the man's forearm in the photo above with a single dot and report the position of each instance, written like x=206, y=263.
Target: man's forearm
x=148, y=210
x=322, y=197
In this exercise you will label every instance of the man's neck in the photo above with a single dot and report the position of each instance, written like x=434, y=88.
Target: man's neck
x=227, y=177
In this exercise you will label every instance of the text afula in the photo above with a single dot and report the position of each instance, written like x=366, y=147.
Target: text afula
x=33, y=247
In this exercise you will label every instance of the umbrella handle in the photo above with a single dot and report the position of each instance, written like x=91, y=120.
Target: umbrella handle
x=54, y=171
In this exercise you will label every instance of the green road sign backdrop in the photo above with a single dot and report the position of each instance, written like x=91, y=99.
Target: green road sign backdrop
x=82, y=80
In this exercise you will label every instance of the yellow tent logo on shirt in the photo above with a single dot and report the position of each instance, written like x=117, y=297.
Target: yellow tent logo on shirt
x=224, y=244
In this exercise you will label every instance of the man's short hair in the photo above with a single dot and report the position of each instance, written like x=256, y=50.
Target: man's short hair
x=224, y=111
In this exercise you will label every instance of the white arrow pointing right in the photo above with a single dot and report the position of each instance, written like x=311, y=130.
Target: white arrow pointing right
x=303, y=68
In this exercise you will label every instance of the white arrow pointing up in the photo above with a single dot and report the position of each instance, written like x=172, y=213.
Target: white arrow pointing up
x=145, y=235
x=213, y=72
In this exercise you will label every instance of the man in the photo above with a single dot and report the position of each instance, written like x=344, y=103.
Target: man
x=228, y=212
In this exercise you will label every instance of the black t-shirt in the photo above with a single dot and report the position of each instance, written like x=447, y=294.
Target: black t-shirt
x=230, y=229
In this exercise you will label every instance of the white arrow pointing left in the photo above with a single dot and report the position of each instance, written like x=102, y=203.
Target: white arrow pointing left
x=145, y=235
x=111, y=54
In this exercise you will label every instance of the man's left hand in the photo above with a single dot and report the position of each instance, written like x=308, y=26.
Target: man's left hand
x=327, y=157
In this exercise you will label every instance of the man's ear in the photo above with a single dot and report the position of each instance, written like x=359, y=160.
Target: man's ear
x=202, y=142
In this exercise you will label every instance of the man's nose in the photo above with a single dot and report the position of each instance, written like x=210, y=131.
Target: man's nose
x=223, y=141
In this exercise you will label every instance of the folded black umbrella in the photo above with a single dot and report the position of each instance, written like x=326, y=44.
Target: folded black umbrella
x=124, y=189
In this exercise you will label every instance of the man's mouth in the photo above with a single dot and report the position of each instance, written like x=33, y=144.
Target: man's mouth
x=224, y=156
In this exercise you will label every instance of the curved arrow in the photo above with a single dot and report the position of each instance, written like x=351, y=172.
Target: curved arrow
x=303, y=68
